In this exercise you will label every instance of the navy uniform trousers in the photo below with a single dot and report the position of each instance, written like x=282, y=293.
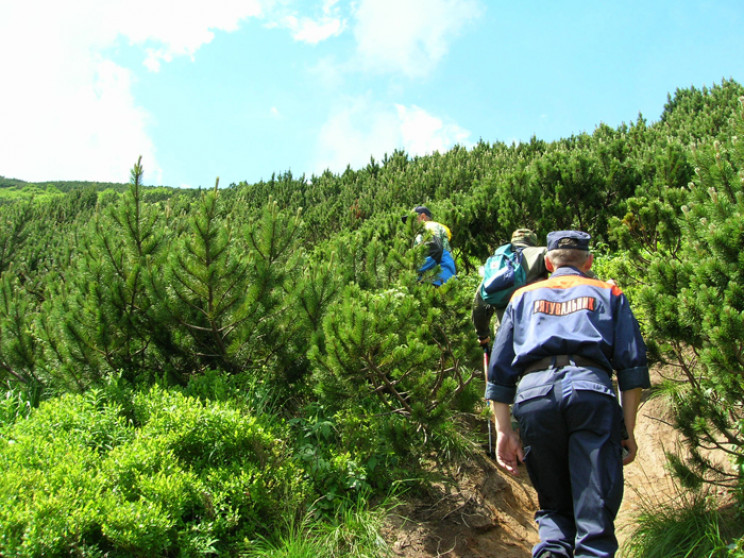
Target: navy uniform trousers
x=570, y=426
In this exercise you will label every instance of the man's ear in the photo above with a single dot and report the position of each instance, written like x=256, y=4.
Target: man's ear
x=588, y=263
x=548, y=264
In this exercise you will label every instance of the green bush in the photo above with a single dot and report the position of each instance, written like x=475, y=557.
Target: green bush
x=178, y=476
x=351, y=453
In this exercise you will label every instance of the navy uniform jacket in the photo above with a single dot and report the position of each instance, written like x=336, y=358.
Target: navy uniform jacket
x=567, y=314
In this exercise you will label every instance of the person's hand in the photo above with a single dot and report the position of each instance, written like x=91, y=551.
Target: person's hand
x=484, y=342
x=630, y=445
x=509, y=453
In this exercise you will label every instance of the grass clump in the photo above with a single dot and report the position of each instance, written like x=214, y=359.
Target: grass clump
x=354, y=532
x=690, y=525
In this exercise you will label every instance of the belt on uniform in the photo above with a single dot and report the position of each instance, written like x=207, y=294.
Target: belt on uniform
x=559, y=361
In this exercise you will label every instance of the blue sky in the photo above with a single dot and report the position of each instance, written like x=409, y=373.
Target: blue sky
x=241, y=89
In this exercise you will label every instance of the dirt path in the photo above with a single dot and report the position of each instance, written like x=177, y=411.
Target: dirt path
x=483, y=512
x=647, y=479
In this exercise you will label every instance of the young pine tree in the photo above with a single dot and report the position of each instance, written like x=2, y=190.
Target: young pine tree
x=205, y=284
x=392, y=339
x=98, y=318
x=692, y=305
x=224, y=299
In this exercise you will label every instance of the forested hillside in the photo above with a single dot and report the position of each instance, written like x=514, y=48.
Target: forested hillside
x=200, y=371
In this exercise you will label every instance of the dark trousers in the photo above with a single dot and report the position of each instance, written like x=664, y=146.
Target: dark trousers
x=570, y=425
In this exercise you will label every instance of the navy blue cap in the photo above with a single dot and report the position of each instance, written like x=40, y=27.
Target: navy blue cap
x=419, y=209
x=571, y=240
x=422, y=209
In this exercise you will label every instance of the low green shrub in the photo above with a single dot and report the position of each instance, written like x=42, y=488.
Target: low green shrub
x=172, y=476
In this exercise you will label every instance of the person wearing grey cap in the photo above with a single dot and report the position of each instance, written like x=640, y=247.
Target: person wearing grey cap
x=553, y=360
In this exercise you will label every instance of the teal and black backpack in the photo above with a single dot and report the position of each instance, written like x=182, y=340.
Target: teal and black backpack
x=503, y=274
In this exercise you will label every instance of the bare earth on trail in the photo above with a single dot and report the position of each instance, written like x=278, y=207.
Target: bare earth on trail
x=484, y=512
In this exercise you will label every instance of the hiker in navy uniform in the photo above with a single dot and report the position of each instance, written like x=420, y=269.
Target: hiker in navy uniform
x=553, y=357
x=533, y=260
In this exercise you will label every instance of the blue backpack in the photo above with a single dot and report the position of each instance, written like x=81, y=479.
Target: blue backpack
x=503, y=274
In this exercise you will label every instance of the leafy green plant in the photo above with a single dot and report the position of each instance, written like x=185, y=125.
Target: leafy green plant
x=176, y=475
x=328, y=464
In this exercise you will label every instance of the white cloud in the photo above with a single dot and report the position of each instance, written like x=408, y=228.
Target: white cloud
x=67, y=112
x=178, y=28
x=408, y=36
x=311, y=30
x=361, y=129
x=354, y=133
x=423, y=134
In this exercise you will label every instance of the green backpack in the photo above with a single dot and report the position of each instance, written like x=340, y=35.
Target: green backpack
x=503, y=274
